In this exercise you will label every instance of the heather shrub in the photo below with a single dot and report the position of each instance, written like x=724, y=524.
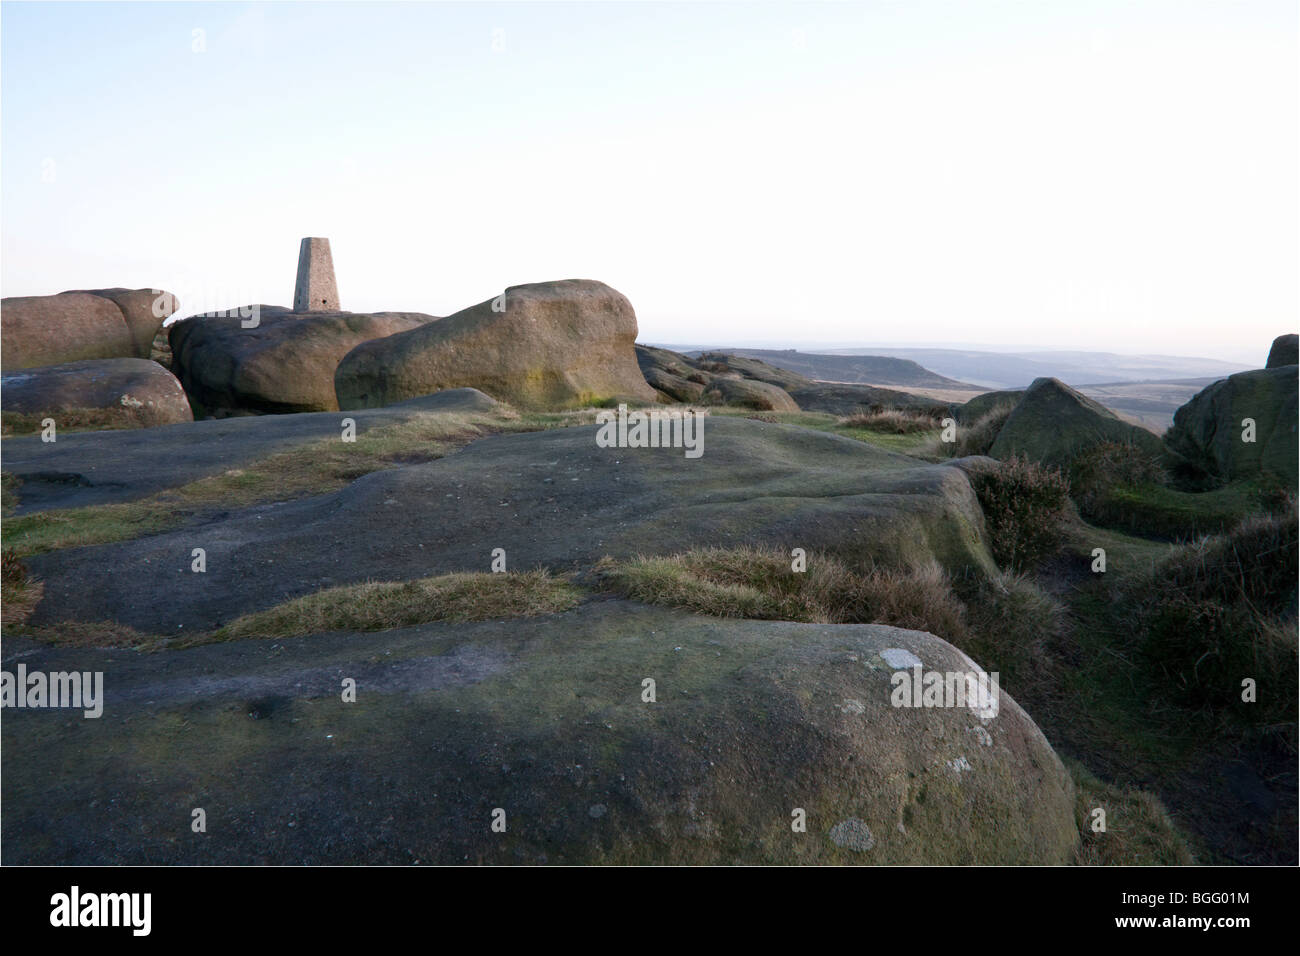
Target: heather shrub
x=1025, y=508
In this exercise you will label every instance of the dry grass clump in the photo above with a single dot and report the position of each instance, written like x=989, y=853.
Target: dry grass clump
x=896, y=421
x=381, y=605
x=1011, y=622
x=759, y=583
x=19, y=593
x=78, y=420
x=1004, y=623
x=1138, y=831
x=973, y=439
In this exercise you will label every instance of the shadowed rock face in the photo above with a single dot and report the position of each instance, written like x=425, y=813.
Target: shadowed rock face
x=1209, y=429
x=72, y=326
x=544, y=719
x=551, y=498
x=1052, y=423
x=126, y=392
x=547, y=345
x=1285, y=351
x=284, y=364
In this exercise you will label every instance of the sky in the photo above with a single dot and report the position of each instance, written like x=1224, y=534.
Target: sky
x=1087, y=175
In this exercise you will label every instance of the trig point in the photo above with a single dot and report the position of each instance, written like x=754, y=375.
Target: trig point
x=316, y=291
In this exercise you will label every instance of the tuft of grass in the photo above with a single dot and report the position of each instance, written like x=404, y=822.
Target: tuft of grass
x=1138, y=831
x=896, y=421
x=1011, y=622
x=93, y=634
x=1004, y=624
x=19, y=593
x=973, y=439
x=78, y=420
x=1026, y=508
x=759, y=583
x=381, y=605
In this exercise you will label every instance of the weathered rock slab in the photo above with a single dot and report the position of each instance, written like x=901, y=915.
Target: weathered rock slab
x=544, y=719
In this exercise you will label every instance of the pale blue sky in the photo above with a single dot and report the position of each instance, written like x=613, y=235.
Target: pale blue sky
x=1098, y=175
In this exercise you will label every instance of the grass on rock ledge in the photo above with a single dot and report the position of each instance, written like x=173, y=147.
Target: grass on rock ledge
x=368, y=606
x=383, y=605
x=311, y=469
x=1003, y=622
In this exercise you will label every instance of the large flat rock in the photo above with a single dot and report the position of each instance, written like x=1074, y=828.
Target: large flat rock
x=549, y=498
x=544, y=720
x=94, y=468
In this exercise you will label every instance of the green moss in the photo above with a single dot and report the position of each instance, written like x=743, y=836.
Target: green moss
x=1167, y=513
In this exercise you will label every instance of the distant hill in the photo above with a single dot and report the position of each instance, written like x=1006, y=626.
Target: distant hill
x=852, y=369
x=1019, y=369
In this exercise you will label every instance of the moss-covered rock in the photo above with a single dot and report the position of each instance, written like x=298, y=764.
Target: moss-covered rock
x=1210, y=430
x=1052, y=423
x=543, y=725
